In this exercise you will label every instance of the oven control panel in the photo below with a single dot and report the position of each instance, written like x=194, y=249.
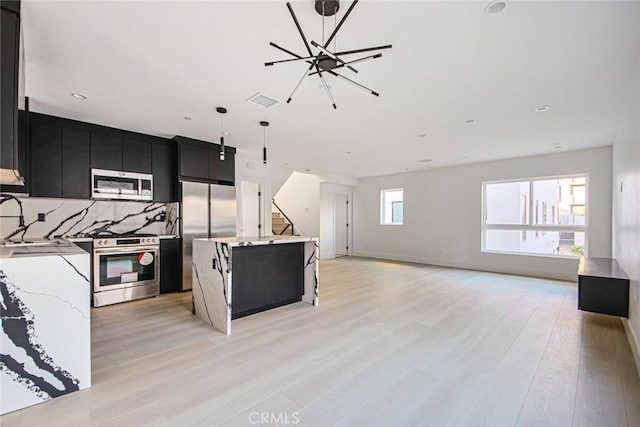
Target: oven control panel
x=126, y=241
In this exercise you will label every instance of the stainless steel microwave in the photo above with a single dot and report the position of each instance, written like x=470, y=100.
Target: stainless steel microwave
x=108, y=184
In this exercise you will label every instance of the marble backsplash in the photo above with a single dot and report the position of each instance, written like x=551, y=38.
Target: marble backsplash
x=83, y=218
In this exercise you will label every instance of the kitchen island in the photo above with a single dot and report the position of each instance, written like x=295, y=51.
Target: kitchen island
x=235, y=277
x=46, y=338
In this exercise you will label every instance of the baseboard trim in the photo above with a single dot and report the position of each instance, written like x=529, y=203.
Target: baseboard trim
x=469, y=266
x=633, y=342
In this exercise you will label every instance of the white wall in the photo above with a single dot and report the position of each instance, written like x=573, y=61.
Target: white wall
x=327, y=218
x=253, y=170
x=278, y=177
x=443, y=207
x=299, y=199
x=626, y=206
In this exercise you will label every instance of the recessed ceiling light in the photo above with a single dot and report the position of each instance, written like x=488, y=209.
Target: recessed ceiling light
x=542, y=109
x=348, y=152
x=187, y=118
x=406, y=169
x=307, y=170
x=226, y=133
x=556, y=144
x=424, y=160
x=77, y=95
x=422, y=135
x=470, y=121
x=494, y=7
x=286, y=164
x=558, y=147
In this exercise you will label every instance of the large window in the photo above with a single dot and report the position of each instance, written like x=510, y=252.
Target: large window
x=542, y=216
x=391, y=206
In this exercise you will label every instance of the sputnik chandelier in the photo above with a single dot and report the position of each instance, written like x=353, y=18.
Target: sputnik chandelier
x=326, y=60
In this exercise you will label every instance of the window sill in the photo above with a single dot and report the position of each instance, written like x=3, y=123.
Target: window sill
x=528, y=254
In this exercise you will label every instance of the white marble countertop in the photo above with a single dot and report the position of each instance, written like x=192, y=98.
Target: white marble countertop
x=41, y=248
x=254, y=241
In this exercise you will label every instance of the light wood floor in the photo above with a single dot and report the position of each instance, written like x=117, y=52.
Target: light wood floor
x=391, y=344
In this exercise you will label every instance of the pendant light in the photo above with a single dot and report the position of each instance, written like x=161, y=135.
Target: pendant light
x=264, y=146
x=222, y=112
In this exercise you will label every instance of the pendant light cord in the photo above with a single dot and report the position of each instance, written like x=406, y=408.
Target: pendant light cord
x=335, y=24
x=323, y=23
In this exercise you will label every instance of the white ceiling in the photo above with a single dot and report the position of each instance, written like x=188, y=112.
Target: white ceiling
x=146, y=65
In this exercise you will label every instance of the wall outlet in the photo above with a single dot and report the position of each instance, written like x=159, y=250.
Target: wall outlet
x=41, y=217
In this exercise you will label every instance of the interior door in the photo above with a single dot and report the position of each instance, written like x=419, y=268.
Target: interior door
x=250, y=225
x=341, y=238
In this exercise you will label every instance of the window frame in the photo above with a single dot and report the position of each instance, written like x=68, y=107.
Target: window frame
x=532, y=223
x=382, y=206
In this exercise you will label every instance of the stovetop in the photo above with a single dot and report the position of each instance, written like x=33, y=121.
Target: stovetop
x=110, y=235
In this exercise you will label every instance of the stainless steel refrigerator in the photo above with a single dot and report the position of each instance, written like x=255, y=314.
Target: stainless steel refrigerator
x=208, y=210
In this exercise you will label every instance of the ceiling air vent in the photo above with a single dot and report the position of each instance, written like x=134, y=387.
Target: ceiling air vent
x=263, y=100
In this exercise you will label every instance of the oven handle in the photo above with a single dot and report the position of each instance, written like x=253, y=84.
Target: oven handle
x=107, y=251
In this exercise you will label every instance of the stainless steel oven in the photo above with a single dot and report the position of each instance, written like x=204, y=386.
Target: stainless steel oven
x=125, y=268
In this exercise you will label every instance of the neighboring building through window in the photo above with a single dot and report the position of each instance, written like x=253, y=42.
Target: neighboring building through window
x=391, y=207
x=557, y=225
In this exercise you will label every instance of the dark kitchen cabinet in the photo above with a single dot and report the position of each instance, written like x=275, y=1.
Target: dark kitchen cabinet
x=136, y=156
x=266, y=276
x=194, y=162
x=200, y=161
x=10, y=37
x=222, y=171
x=170, y=265
x=165, y=176
x=59, y=160
x=106, y=151
x=76, y=156
x=46, y=160
x=63, y=152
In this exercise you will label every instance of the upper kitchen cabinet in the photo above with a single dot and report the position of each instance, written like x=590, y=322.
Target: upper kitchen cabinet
x=194, y=161
x=136, y=155
x=222, y=171
x=9, y=59
x=200, y=161
x=165, y=171
x=59, y=159
x=46, y=160
x=76, y=155
x=106, y=151
x=64, y=151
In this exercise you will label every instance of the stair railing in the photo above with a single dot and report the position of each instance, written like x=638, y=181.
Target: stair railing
x=288, y=226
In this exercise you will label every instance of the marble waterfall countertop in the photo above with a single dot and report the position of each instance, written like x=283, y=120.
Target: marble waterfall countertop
x=213, y=274
x=268, y=240
x=38, y=248
x=46, y=331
